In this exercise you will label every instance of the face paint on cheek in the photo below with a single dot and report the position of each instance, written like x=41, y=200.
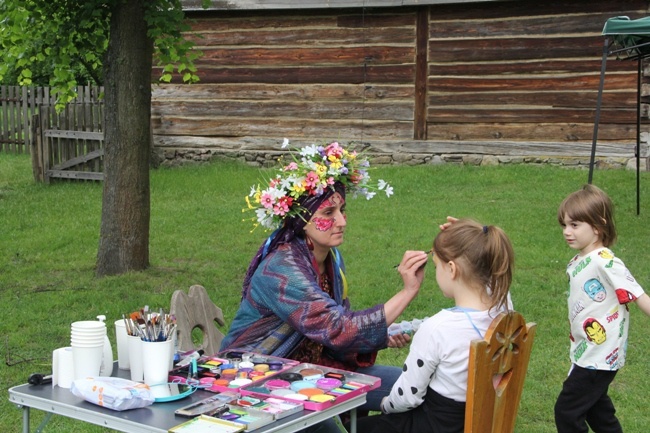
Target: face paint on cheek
x=323, y=224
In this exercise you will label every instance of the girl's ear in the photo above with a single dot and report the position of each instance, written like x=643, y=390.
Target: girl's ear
x=453, y=269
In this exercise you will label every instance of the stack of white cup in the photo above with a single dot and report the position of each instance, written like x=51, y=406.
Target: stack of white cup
x=87, y=341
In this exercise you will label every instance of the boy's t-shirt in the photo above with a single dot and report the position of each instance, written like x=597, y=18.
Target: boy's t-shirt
x=600, y=287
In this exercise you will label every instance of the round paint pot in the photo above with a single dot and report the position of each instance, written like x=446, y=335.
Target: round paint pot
x=277, y=384
x=328, y=384
x=297, y=396
x=259, y=390
x=290, y=377
x=261, y=367
x=309, y=392
x=311, y=372
x=239, y=382
x=302, y=384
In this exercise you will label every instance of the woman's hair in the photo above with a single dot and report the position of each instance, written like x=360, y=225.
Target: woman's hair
x=593, y=206
x=483, y=254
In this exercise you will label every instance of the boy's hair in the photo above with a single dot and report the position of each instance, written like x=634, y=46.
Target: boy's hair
x=484, y=254
x=593, y=206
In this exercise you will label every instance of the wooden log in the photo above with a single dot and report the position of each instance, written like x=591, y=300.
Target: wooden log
x=526, y=115
x=550, y=99
x=388, y=110
x=282, y=127
x=514, y=10
x=300, y=18
x=550, y=66
x=361, y=73
x=286, y=92
x=307, y=56
x=559, y=132
x=304, y=36
x=531, y=82
x=506, y=49
x=529, y=26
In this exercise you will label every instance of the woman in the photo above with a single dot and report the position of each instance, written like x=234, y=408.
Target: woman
x=294, y=299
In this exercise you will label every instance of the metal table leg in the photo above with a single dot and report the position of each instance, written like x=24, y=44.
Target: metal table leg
x=25, y=419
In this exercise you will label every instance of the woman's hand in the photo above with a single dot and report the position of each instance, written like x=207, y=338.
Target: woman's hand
x=399, y=340
x=411, y=268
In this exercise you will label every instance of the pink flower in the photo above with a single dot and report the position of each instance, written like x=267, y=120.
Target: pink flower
x=292, y=166
x=280, y=208
x=311, y=180
x=267, y=200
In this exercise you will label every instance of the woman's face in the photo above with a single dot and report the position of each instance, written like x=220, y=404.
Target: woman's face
x=327, y=224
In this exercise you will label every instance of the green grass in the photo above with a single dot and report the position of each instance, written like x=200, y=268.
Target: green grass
x=49, y=238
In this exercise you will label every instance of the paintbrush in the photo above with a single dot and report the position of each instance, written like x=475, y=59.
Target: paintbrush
x=425, y=263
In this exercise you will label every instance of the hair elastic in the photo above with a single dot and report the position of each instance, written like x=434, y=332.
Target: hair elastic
x=485, y=229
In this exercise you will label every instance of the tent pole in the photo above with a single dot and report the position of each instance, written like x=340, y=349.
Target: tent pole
x=598, y=105
x=637, y=151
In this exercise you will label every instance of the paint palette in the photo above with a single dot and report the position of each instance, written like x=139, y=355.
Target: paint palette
x=231, y=370
x=315, y=386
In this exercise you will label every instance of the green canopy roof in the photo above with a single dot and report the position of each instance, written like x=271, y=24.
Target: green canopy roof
x=631, y=35
x=626, y=26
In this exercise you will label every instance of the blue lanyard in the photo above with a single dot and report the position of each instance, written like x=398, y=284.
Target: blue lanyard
x=466, y=310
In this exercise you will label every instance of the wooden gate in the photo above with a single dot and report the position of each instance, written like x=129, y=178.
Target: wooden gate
x=69, y=144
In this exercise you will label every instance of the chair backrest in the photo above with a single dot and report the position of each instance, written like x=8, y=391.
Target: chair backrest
x=196, y=310
x=497, y=369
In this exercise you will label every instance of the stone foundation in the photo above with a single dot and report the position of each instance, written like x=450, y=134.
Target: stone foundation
x=177, y=157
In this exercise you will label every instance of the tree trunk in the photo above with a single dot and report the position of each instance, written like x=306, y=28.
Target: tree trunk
x=124, y=233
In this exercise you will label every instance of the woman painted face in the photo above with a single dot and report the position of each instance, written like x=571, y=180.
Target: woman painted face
x=327, y=225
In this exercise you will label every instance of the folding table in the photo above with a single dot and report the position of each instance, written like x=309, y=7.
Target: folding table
x=157, y=418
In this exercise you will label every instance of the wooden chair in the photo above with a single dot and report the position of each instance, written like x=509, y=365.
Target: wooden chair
x=197, y=311
x=497, y=369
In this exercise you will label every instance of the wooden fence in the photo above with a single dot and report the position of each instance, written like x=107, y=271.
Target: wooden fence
x=17, y=104
x=66, y=144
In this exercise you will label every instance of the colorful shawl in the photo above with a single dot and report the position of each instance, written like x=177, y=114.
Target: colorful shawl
x=283, y=303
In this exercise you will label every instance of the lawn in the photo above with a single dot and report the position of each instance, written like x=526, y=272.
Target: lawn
x=49, y=237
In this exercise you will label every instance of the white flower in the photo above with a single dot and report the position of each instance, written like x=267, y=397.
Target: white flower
x=370, y=195
x=309, y=151
x=381, y=184
x=253, y=191
x=285, y=143
x=389, y=190
x=288, y=182
x=264, y=218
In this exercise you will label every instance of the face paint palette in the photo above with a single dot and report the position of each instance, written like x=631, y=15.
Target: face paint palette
x=316, y=387
x=231, y=370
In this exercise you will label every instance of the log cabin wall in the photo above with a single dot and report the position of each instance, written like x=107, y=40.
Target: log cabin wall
x=490, y=82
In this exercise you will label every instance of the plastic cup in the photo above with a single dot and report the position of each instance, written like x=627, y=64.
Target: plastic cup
x=121, y=337
x=87, y=325
x=87, y=360
x=86, y=343
x=134, y=344
x=155, y=356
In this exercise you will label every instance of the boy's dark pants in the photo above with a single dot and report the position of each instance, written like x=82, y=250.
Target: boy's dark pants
x=584, y=400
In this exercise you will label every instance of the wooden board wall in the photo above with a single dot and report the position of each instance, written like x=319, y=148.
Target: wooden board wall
x=527, y=71
x=479, y=74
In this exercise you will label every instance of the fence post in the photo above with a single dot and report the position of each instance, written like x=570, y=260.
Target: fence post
x=35, y=151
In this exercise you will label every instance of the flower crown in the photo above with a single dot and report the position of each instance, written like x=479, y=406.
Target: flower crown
x=313, y=169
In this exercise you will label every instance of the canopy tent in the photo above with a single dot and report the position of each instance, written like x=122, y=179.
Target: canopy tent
x=628, y=40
